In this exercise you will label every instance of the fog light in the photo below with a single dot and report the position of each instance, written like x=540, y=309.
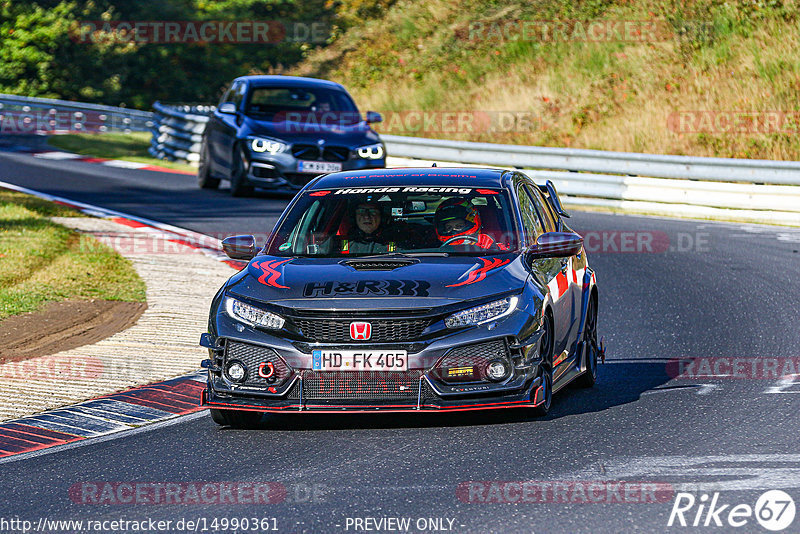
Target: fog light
x=497, y=370
x=236, y=371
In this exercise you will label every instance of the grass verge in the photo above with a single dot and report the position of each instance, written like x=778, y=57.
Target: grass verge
x=127, y=147
x=41, y=261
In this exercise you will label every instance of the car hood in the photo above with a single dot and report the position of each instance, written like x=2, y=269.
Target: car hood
x=351, y=136
x=337, y=284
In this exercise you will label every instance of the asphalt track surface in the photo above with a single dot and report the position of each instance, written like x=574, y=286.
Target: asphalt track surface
x=722, y=290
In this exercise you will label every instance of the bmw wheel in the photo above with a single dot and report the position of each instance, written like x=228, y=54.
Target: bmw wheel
x=235, y=418
x=204, y=178
x=240, y=187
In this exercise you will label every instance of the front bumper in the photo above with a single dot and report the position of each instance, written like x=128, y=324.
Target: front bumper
x=280, y=171
x=425, y=402
x=295, y=387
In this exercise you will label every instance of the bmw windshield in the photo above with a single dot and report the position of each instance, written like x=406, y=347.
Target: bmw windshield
x=364, y=221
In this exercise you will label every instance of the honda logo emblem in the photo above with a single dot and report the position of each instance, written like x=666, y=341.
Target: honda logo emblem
x=360, y=331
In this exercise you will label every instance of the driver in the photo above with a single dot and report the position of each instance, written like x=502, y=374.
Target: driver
x=370, y=233
x=458, y=217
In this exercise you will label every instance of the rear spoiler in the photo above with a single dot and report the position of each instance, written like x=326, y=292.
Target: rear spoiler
x=552, y=197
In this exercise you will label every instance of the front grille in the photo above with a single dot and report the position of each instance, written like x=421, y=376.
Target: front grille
x=253, y=355
x=337, y=331
x=335, y=153
x=305, y=151
x=358, y=385
x=475, y=356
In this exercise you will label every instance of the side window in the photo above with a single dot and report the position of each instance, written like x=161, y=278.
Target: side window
x=549, y=217
x=530, y=220
x=238, y=95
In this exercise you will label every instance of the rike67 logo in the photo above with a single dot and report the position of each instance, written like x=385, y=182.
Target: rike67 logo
x=774, y=510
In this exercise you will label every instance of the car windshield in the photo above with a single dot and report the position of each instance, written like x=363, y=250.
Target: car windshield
x=410, y=220
x=300, y=103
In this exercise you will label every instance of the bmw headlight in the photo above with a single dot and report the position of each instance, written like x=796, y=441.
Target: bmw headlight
x=265, y=144
x=251, y=315
x=375, y=151
x=482, y=314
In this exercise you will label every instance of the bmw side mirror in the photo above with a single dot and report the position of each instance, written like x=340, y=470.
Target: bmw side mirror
x=240, y=247
x=373, y=117
x=556, y=245
x=229, y=108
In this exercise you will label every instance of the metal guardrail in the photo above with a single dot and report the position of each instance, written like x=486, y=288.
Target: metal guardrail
x=28, y=115
x=178, y=131
x=753, y=190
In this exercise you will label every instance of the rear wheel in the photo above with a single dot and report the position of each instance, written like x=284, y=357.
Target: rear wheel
x=240, y=187
x=589, y=376
x=204, y=178
x=235, y=418
x=546, y=368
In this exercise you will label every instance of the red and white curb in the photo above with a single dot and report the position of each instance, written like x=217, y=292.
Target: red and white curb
x=122, y=164
x=208, y=245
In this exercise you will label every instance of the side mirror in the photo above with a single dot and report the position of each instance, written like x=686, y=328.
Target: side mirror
x=240, y=247
x=556, y=245
x=229, y=108
x=373, y=117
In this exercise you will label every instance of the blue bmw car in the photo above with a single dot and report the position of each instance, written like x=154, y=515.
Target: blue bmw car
x=407, y=290
x=280, y=132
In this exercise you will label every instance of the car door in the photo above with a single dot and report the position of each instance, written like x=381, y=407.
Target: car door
x=548, y=270
x=568, y=286
x=222, y=128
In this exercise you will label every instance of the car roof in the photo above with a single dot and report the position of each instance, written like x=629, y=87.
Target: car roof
x=288, y=81
x=446, y=176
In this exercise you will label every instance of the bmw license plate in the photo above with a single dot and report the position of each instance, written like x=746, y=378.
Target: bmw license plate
x=359, y=360
x=318, y=166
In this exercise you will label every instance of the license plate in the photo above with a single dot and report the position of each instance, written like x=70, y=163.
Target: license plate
x=359, y=360
x=318, y=166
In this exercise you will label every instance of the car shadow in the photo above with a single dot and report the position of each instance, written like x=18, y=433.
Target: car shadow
x=619, y=382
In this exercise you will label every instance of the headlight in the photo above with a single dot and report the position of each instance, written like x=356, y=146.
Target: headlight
x=371, y=151
x=264, y=144
x=482, y=314
x=252, y=315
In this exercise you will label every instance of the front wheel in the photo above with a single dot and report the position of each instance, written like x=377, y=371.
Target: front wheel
x=235, y=418
x=204, y=178
x=240, y=187
x=545, y=369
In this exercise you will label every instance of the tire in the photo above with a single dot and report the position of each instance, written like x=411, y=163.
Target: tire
x=204, y=178
x=235, y=418
x=589, y=357
x=240, y=187
x=546, y=369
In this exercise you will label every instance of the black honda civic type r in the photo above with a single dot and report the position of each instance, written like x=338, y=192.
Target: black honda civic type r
x=419, y=290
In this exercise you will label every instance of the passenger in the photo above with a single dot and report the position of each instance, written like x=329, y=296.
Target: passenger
x=371, y=233
x=458, y=217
